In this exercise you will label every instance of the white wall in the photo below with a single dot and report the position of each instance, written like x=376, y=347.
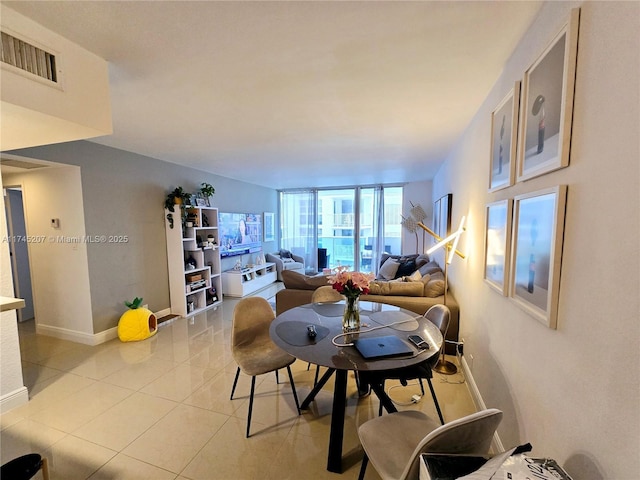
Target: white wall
x=59, y=267
x=572, y=392
x=13, y=393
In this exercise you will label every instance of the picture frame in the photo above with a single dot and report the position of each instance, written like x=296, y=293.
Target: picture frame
x=442, y=216
x=504, y=140
x=201, y=201
x=546, y=111
x=536, y=252
x=497, y=245
x=269, y=227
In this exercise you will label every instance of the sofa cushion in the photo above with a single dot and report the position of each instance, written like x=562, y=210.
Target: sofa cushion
x=407, y=289
x=298, y=281
x=435, y=286
x=389, y=269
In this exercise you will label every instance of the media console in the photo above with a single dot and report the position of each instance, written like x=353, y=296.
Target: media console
x=243, y=282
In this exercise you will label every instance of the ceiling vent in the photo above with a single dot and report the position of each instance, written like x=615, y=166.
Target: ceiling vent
x=27, y=57
x=5, y=162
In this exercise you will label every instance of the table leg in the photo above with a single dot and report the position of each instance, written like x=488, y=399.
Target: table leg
x=334, y=462
x=318, y=386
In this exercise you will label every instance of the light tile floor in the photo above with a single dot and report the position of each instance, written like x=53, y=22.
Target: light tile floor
x=160, y=409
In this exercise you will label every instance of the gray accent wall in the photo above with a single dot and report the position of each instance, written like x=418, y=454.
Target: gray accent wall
x=123, y=195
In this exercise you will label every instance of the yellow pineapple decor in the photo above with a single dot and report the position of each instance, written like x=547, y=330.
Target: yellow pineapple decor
x=136, y=323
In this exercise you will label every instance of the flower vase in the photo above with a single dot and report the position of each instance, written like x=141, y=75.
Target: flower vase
x=351, y=316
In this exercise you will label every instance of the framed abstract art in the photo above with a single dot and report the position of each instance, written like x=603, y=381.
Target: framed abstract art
x=547, y=105
x=504, y=139
x=536, y=253
x=497, y=245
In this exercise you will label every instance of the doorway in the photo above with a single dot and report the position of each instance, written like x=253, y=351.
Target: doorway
x=18, y=251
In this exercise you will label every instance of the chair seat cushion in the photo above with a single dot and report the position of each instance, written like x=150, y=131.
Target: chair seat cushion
x=390, y=453
x=258, y=359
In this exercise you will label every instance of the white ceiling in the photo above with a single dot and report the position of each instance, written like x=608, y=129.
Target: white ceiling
x=294, y=94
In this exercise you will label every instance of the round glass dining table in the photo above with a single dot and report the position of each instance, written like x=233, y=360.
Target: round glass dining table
x=331, y=349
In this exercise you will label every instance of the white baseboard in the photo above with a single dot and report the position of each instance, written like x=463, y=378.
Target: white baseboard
x=14, y=399
x=496, y=445
x=87, y=338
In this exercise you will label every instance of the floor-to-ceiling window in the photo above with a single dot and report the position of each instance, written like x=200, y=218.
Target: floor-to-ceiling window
x=348, y=227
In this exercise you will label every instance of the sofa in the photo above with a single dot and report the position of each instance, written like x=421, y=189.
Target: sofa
x=416, y=292
x=286, y=261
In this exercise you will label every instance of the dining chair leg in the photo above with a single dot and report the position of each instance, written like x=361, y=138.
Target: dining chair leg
x=45, y=469
x=235, y=382
x=253, y=387
x=435, y=400
x=380, y=407
x=293, y=389
x=421, y=385
x=277, y=379
x=363, y=467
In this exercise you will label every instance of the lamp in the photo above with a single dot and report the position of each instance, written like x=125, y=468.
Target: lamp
x=450, y=244
x=411, y=223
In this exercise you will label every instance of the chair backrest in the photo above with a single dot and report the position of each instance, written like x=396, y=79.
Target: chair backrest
x=471, y=435
x=439, y=315
x=252, y=317
x=326, y=293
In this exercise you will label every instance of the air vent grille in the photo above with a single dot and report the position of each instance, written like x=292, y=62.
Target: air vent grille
x=20, y=164
x=28, y=57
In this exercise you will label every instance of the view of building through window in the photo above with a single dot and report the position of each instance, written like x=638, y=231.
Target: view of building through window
x=338, y=227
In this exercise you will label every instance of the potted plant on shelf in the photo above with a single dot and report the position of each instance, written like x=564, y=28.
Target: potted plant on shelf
x=176, y=197
x=207, y=190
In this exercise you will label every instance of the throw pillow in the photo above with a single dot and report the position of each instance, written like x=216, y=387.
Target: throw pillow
x=421, y=260
x=414, y=277
x=297, y=281
x=435, y=286
x=389, y=269
x=285, y=253
x=406, y=267
x=429, y=268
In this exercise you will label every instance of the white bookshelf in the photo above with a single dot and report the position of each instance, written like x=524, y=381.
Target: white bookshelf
x=240, y=283
x=190, y=294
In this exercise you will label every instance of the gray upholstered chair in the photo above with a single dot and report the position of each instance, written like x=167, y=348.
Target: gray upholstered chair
x=440, y=316
x=393, y=443
x=326, y=293
x=294, y=263
x=252, y=347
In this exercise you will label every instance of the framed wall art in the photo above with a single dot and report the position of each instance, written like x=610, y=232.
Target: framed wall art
x=547, y=105
x=442, y=216
x=504, y=139
x=269, y=227
x=497, y=245
x=536, y=253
